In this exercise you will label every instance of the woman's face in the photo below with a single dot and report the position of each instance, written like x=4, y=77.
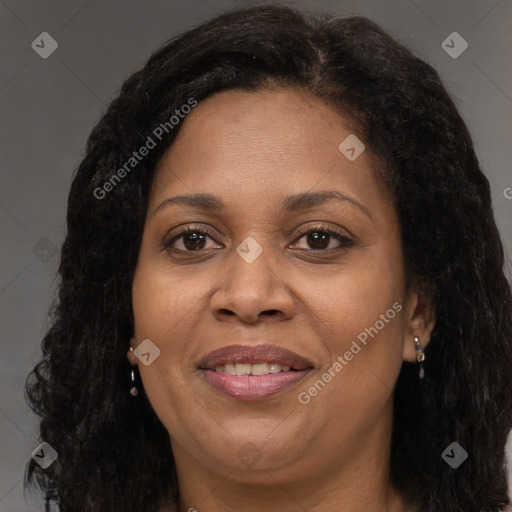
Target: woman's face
x=252, y=275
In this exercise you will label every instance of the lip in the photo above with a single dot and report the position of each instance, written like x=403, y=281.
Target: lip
x=253, y=354
x=253, y=387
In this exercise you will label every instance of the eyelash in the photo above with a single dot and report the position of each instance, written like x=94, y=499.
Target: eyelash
x=345, y=241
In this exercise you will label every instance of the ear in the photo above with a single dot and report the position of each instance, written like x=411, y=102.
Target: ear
x=419, y=317
x=130, y=355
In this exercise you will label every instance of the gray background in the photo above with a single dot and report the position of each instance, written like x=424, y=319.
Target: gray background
x=48, y=107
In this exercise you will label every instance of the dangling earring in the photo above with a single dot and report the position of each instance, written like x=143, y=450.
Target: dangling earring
x=420, y=356
x=134, y=391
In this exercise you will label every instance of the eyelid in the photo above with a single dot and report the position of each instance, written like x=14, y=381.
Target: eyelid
x=183, y=230
x=327, y=228
x=346, y=241
x=345, y=238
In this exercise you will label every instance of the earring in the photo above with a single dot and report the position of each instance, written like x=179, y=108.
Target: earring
x=420, y=356
x=134, y=391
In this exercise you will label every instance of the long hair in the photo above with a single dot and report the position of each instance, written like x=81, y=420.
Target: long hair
x=113, y=451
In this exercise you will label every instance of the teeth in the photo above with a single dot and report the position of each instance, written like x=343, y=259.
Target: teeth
x=259, y=369
x=229, y=368
x=274, y=368
x=242, y=369
x=252, y=369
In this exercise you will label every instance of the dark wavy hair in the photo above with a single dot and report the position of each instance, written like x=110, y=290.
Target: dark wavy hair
x=113, y=452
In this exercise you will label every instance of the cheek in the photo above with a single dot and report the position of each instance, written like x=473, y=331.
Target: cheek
x=164, y=312
x=361, y=324
x=161, y=313
x=350, y=311
x=359, y=316
x=161, y=298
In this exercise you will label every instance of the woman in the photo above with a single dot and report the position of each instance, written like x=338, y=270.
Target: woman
x=282, y=285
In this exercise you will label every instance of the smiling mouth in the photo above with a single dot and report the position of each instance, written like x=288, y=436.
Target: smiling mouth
x=241, y=369
x=249, y=387
x=256, y=372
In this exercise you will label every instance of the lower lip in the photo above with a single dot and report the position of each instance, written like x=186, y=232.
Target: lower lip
x=252, y=387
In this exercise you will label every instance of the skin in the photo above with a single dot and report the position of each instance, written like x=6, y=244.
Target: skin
x=252, y=149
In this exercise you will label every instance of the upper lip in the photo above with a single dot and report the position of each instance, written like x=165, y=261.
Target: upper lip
x=253, y=354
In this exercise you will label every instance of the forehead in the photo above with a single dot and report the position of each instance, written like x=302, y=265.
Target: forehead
x=288, y=122
x=254, y=145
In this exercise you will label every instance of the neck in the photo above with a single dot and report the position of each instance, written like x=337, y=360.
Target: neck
x=323, y=493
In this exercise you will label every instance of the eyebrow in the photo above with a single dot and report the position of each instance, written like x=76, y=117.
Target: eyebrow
x=299, y=202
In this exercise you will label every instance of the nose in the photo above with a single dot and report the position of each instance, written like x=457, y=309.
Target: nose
x=253, y=291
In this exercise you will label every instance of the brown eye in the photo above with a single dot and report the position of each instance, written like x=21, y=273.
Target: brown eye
x=319, y=238
x=193, y=240
x=190, y=239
